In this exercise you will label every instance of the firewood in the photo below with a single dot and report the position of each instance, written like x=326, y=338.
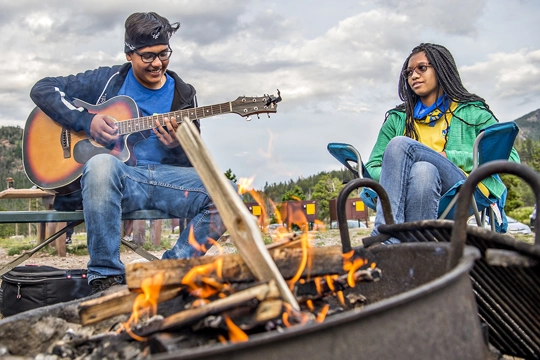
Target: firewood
x=323, y=261
x=247, y=317
x=237, y=219
x=268, y=310
x=259, y=292
x=120, y=302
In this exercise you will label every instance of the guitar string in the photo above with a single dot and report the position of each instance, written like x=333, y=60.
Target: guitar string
x=134, y=125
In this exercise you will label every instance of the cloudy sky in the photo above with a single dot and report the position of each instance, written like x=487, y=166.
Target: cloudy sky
x=336, y=64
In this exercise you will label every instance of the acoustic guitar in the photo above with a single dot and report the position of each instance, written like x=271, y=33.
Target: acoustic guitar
x=53, y=156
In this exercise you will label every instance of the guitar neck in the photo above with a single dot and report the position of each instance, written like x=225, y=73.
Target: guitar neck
x=148, y=122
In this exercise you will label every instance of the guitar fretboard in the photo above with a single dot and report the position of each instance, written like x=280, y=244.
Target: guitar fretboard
x=148, y=122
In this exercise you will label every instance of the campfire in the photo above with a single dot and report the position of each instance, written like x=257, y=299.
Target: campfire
x=180, y=304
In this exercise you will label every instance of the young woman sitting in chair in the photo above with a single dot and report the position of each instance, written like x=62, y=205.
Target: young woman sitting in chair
x=425, y=145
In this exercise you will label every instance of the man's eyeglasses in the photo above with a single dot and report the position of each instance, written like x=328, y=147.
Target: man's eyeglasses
x=149, y=57
x=420, y=69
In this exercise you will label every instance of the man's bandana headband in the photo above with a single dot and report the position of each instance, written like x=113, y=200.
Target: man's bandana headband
x=158, y=37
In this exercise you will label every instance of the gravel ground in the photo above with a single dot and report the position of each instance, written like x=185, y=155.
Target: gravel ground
x=70, y=261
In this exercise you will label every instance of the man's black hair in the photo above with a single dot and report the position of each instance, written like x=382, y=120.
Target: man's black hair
x=147, y=29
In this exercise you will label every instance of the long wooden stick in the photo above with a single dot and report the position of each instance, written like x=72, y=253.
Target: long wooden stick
x=235, y=215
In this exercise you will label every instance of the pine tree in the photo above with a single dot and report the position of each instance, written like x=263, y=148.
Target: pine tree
x=326, y=189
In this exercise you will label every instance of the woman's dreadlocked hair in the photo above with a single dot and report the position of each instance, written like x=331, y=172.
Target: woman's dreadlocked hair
x=448, y=80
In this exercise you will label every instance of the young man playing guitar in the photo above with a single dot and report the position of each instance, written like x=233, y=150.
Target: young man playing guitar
x=162, y=178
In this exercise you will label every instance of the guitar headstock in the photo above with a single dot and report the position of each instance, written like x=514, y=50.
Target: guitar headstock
x=249, y=105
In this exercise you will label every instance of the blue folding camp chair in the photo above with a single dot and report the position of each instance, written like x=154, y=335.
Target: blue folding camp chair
x=493, y=143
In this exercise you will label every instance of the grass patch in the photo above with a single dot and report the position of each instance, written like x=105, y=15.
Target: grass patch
x=18, y=249
x=522, y=214
x=528, y=238
x=77, y=247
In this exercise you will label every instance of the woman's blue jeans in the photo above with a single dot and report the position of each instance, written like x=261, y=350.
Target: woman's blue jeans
x=414, y=177
x=110, y=188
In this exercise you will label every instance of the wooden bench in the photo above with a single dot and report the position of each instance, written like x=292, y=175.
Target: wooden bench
x=72, y=218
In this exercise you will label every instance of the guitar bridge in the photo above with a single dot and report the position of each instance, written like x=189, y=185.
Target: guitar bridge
x=65, y=142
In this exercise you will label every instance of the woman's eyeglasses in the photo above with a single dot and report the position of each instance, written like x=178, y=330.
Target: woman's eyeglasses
x=149, y=57
x=420, y=69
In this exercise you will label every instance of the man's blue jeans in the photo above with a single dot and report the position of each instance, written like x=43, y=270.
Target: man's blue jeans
x=110, y=188
x=414, y=177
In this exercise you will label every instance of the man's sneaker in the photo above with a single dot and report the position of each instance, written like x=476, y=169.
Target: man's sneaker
x=102, y=284
x=68, y=240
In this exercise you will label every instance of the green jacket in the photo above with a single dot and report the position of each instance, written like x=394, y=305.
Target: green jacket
x=459, y=146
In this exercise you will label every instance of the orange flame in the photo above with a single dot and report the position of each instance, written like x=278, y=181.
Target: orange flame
x=319, y=225
x=318, y=285
x=298, y=217
x=351, y=266
x=330, y=281
x=193, y=242
x=200, y=283
x=145, y=302
x=303, y=262
x=199, y=302
x=299, y=317
x=322, y=315
x=340, y=297
x=279, y=219
x=202, y=247
x=244, y=185
x=236, y=334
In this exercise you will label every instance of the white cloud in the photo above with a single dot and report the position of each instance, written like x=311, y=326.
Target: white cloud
x=509, y=78
x=336, y=64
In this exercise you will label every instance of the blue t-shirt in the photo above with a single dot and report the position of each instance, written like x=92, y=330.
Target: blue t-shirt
x=150, y=102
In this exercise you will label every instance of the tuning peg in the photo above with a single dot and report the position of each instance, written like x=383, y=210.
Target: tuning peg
x=272, y=100
x=248, y=118
x=278, y=99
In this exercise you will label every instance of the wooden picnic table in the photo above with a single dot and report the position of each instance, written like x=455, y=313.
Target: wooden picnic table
x=12, y=193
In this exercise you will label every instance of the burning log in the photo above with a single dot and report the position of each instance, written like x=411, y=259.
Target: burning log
x=120, y=302
x=259, y=292
x=323, y=261
x=236, y=217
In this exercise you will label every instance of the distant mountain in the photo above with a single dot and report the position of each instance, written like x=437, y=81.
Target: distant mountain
x=529, y=126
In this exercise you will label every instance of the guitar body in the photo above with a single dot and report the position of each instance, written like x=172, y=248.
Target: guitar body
x=54, y=157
